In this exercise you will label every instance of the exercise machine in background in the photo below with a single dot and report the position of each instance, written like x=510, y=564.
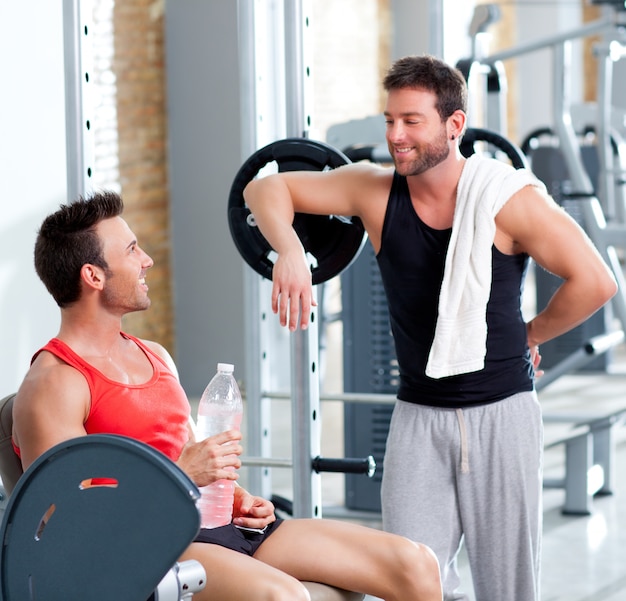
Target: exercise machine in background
x=580, y=157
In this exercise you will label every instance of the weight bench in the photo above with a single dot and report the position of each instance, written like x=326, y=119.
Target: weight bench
x=181, y=580
x=100, y=516
x=586, y=431
x=582, y=477
x=589, y=451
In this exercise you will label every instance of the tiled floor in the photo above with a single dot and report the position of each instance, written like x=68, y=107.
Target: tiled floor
x=584, y=558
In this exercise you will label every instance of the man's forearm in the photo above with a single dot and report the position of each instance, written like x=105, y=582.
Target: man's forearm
x=270, y=202
x=568, y=307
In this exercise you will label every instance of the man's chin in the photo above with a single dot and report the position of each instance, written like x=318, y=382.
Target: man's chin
x=144, y=305
x=405, y=169
x=400, y=167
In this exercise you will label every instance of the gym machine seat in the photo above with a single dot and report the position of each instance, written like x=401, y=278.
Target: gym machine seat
x=99, y=516
x=10, y=465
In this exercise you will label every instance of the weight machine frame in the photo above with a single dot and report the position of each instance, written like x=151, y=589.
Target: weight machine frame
x=288, y=74
x=258, y=107
x=594, y=208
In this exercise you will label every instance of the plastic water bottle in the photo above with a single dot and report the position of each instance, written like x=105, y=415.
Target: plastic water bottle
x=220, y=409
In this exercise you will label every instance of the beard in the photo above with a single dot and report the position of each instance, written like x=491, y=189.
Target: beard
x=428, y=156
x=125, y=301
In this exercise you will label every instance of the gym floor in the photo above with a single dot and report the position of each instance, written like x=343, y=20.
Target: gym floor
x=583, y=557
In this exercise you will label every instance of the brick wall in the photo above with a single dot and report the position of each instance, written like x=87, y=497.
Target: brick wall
x=139, y=67
x=131, y=141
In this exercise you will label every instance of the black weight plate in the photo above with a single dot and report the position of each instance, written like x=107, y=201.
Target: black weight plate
x=334, y=241
x=475, y=134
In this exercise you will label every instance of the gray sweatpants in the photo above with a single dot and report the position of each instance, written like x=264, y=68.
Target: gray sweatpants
x=472, y=477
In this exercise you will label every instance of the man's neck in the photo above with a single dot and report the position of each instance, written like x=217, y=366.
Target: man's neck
x=433, y=193
x=89, y=334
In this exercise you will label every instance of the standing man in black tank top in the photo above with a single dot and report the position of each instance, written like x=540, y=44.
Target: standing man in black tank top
x=453, y=238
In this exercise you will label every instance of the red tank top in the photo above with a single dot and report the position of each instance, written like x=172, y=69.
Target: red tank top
x=156, y=412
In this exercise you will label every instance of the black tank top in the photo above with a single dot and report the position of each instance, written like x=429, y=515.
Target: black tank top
x=411, y=261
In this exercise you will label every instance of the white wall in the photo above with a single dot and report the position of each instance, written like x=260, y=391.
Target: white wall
x=32, y=173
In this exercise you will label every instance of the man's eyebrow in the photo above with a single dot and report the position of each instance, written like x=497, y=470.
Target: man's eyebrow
x=132, y=243
x=406, y=114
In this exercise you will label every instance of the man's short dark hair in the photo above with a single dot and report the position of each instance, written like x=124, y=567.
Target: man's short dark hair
x=429, y=73
x=67, y=240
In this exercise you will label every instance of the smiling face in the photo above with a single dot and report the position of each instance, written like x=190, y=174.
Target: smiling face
x=416, y=136
x=124, y=288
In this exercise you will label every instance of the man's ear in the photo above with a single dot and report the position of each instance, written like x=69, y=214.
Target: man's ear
x=93, y=276
x=456, y=123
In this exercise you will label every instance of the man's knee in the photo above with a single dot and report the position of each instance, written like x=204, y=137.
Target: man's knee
x=419, y=565
x=281, y=589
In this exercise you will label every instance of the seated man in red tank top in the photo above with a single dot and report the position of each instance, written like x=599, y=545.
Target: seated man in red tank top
x=93, y=378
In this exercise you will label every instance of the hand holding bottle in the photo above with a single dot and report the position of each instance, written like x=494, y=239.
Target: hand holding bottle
x=213, y=458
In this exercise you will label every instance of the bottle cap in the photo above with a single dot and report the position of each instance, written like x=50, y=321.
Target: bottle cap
x=228, y=367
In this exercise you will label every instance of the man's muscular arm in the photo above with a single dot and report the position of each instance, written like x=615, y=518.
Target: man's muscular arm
x=536, y=225
x=50, y=407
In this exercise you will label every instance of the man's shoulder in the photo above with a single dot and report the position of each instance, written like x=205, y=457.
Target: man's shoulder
x=369, y=181
x=151, y=345
x=160, y=351
x=365, y=169
x=49, y=372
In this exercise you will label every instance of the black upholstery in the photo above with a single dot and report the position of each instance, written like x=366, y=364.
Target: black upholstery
x=10, y=466
x=66, y=535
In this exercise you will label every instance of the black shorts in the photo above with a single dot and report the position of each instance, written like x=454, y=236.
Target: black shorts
x=243, y=540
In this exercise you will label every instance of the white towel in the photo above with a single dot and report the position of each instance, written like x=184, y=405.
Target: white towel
x=460, y=342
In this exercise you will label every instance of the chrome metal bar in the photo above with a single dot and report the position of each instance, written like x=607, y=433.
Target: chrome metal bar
x=78, y=118
x=593, y=28
x=606, y=178
x=561, y=101
x=305, y=426
x=346, y=397
x=266, y=462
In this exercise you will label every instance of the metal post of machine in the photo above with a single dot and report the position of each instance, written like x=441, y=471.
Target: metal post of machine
x=262, y=81
x=78, y=106
x=297, y=68
x=305, y=420
x=275, y=78
x=606, y=53
x=305, y=409
x=259, y=480
x=435, y=20
x=561, y=99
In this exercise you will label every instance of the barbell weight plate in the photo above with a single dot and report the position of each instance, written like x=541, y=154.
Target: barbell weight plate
x=476, y=134
x=334, y=241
